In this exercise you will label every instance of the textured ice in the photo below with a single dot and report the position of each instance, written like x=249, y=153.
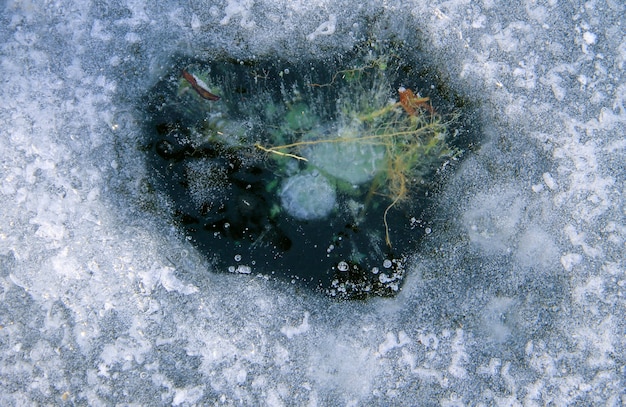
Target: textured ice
x=516, y=297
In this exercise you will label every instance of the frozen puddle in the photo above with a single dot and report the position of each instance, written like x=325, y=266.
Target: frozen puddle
x=514, y=295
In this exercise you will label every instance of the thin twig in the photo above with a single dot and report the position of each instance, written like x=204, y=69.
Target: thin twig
x=387, y=239
x=271, y=150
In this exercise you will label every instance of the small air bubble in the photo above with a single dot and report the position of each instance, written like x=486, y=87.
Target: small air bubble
x=238, y=257
x=387, y=263
x=342, y=266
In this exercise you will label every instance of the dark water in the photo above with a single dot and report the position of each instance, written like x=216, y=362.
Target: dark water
x=226, y=191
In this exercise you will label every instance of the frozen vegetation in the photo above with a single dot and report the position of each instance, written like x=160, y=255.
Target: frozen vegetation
x=515, y=297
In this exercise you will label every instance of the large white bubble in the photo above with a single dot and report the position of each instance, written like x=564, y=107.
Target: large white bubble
x=308, y=196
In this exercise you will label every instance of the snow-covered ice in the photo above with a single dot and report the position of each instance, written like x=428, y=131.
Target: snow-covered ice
x=516, y=296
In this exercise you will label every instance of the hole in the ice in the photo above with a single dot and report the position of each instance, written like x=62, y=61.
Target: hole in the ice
x=316, y=171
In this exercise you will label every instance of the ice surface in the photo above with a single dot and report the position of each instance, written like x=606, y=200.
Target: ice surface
x=516, y=297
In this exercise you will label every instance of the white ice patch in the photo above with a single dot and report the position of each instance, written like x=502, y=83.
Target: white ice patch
x=459, y=358
x=594, y=286
x=188, y=395
x=393, y=341
x=290, y=331
x=549, y=181
x=536, y=248
x=496, y=318
x=578, y=239
x=165, y=277
x=569, y=260
x=196, y=24
x=239, y=8
x=67, y=266
x=345, y=367
x=492, y=219
x=326, y=28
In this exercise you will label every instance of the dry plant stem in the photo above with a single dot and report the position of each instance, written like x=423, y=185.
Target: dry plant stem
x=387, y=239
x=397, y=189
x=344, y=71
x=323, y=85
x=379, y=112
x=344, y=140
x=273, y=151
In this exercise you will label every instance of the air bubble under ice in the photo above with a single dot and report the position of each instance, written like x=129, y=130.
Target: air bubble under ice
x=308, y=196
